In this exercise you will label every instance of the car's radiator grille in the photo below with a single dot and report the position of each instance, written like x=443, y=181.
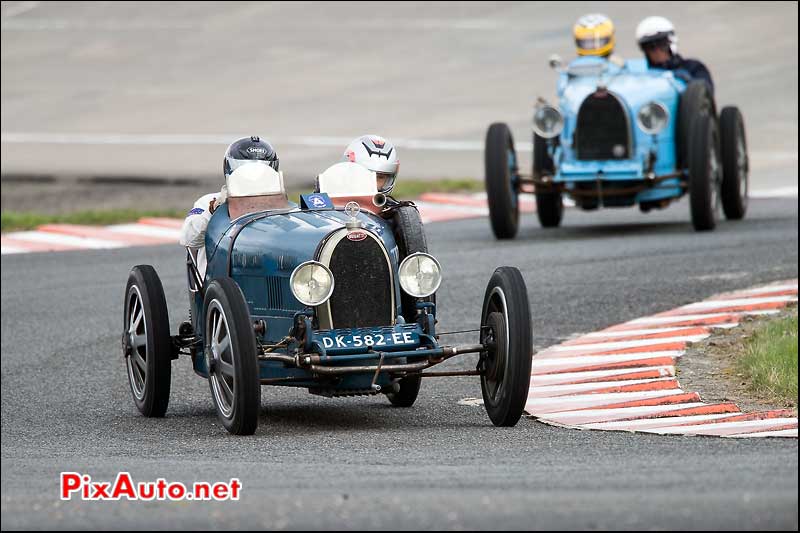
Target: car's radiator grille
x=602, y=130
x=362, y=294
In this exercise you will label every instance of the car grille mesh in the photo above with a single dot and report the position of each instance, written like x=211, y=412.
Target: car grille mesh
x=602, y=130
x=362, y=294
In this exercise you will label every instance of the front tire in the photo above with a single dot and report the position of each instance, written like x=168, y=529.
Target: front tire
x=506, y=365
x=146, y=342
x=696, y=101
x=230, y=347
x=704, y=173
x=500, y=162
x=735, y=163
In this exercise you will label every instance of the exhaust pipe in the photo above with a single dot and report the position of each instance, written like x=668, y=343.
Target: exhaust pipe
x=379, y=200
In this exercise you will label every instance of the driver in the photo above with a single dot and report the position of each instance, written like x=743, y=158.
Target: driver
x=374, y=153
x=594, y=35
x=245, y=150
x=657, y=39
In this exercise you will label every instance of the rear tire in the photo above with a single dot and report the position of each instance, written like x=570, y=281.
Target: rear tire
x=704, y=173
x=506, y=377
x=230, y=347
x=410, y=238
x=146, y=341
x=500, y=161
x=735, y=163
x=549, y=205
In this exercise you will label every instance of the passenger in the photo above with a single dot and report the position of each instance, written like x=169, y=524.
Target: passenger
x=657, y=39
x=376, y=154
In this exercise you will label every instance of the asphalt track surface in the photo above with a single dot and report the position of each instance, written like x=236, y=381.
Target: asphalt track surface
x=357, y=463
x=442, y=73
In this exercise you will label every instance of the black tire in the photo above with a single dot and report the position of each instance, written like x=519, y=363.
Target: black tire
x=410, y=237
x=696, y=100
x=506, y=368
x=549, y=205
x=735, y=163
x=234, y=380
x=146, y=341
x=500, y=165
x=704, y=173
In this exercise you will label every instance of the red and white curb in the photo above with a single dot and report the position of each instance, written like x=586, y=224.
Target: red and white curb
x=434, y=207
x=623, y=378
x=62, y=237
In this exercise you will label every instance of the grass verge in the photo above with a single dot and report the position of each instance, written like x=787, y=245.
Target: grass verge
x=25, y=220
x=769, y=362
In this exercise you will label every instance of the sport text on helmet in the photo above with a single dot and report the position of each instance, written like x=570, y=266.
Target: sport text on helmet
x=248, y=150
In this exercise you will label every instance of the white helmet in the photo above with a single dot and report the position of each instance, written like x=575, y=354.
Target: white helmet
x=376, y=154
x=654, y=29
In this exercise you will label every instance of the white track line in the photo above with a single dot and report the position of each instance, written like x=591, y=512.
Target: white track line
x=66, y=240
x=635, y=332
x=552, y=391
x=613, y=345
x=147, y=230
x=596, y=360
x=647, y=423
x=618, y=413
x=769, y=288
x=571, y=377
x=543, y=406
x=737, y=302
x=704, y=429
x=780, y=433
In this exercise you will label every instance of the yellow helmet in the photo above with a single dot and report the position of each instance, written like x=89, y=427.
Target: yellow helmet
x=594, y=35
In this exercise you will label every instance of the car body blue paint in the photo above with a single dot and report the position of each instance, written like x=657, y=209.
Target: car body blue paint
x=261, y=250
x=635, y=85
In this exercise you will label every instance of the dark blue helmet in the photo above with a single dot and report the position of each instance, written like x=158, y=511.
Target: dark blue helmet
x=249, y=150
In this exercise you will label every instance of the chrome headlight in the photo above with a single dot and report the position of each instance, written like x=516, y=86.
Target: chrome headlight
x=547, y=121
x=420, y=275
x=652, y=118
x=311, y=283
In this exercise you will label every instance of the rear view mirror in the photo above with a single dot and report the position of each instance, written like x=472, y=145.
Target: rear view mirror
x=555, y=62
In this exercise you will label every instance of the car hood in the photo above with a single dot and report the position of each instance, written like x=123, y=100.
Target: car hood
x=277, y=242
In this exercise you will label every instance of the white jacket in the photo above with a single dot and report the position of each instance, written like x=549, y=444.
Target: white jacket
x=193, y=232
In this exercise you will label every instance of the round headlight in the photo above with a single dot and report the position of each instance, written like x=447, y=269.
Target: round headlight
x=652, y=118
x=547, y=121
x=311, y=283
x=420, y=275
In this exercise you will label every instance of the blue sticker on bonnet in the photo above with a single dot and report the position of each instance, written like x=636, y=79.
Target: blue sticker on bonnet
x=315, y=201
x=196, y=211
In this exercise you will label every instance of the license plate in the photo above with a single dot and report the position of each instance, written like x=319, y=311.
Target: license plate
x=376, y=340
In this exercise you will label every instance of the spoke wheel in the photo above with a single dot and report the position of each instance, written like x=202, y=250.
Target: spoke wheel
x=146, y=343
x=231, y=357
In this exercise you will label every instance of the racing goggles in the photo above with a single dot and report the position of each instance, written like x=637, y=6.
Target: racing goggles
x=385, y=181
x=594, y=43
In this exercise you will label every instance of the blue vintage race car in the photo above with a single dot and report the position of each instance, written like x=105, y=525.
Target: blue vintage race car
x=622, y=134
x=336, y=295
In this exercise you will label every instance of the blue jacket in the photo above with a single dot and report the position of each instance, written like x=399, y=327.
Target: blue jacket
x=689, y=69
